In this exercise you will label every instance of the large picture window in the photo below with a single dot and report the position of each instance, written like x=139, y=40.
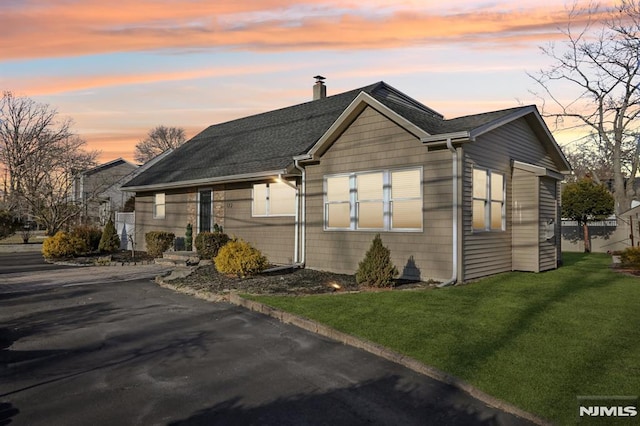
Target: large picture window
x=387, y=200
x=273, y=199
x=159, y=206
x=488, y=200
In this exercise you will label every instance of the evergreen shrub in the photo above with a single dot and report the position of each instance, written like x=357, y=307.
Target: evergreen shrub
x=240, y=258
x=109, y=242
x=630, y=257
x=208, y=244
x=376, y=269
x=91, y=235
x=158, y=242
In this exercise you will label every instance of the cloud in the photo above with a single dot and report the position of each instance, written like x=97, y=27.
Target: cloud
x=82, y=27
x=73, y=83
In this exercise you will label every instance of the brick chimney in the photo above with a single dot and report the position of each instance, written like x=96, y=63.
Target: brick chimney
x=319, y=89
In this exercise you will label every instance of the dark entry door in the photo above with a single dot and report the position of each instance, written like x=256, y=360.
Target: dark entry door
x=204, y=219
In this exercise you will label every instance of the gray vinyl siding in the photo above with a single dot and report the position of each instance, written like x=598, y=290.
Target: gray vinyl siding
x=373, y=142
x=488, y=253
x=179, y=211
x=548, y=210
x=525, y=221
x=273, y=236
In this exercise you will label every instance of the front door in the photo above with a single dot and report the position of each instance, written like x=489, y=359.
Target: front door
x=204, y=210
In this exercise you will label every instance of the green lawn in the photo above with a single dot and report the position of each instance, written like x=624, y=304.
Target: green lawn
x=535, y=340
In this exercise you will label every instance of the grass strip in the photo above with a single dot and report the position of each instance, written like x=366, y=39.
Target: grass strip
x=534, y=340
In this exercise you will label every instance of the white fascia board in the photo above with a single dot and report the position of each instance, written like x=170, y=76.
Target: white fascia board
x=246, y=177
x=355, y=107
x=442, y=138
x=537, y=170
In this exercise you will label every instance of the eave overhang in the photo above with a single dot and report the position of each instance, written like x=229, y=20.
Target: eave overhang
x=245, y=177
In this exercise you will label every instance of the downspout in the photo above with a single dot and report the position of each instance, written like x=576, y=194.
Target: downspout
x=302, y=224
x=455, y=230
x=296, y=238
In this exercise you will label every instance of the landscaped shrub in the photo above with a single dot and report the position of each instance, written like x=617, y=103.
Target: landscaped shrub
x=376, y=269
x=240, y=258
x=63, y=245
x=109, y=242
x=158, y=242
x=208, y=244
x=91, y=235
x=188, y=238
x=630, y=257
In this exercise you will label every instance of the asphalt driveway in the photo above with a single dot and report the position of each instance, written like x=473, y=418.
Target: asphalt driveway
x=129, y=352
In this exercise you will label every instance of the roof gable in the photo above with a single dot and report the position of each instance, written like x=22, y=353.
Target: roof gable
x=468, y=128
x=362, y=101
x=108, y=165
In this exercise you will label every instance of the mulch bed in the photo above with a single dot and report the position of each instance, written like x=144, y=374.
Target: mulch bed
x=287, y=281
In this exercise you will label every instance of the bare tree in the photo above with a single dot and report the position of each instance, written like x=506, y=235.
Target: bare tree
x=600, y=59
x=158, y=140
x=40, y=154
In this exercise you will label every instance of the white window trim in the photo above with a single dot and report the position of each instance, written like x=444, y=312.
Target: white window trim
x=268, y=202
x=488, y=200
x=387, y=201
x=155, y=205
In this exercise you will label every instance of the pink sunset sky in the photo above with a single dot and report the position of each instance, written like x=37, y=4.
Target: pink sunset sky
x=119, y=68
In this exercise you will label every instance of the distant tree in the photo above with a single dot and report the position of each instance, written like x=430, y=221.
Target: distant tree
x=600, y=58
x=592, y=159
x=40, y=154
x=158, y=140
x=585, y=201
x=130, y=204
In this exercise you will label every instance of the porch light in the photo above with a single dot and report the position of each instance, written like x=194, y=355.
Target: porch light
x=279, y=179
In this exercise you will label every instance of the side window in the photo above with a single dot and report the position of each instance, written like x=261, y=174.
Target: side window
x=159, y=206
x=273, y=199
x=488, y=200
x=406, y=199
x=337, y=207
x=370, y=204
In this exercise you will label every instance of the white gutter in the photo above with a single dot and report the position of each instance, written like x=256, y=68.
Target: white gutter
x=197, y=182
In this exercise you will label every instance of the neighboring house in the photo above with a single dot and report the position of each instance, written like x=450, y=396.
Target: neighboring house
x=312, y=184
x=98, y=190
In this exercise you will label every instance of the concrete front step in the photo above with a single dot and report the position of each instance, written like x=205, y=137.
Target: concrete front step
x=181, y=256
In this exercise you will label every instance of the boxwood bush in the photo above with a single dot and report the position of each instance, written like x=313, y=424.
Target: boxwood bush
x=63, y=245
x=240, y=258
x=158, y=242
x=630, y=257
x=89, y=234
x=208, y=244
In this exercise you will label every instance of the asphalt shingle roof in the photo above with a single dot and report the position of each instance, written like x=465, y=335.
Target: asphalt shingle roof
x=269, y=141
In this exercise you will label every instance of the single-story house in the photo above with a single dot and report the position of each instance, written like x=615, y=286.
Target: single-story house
x=312, y=184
